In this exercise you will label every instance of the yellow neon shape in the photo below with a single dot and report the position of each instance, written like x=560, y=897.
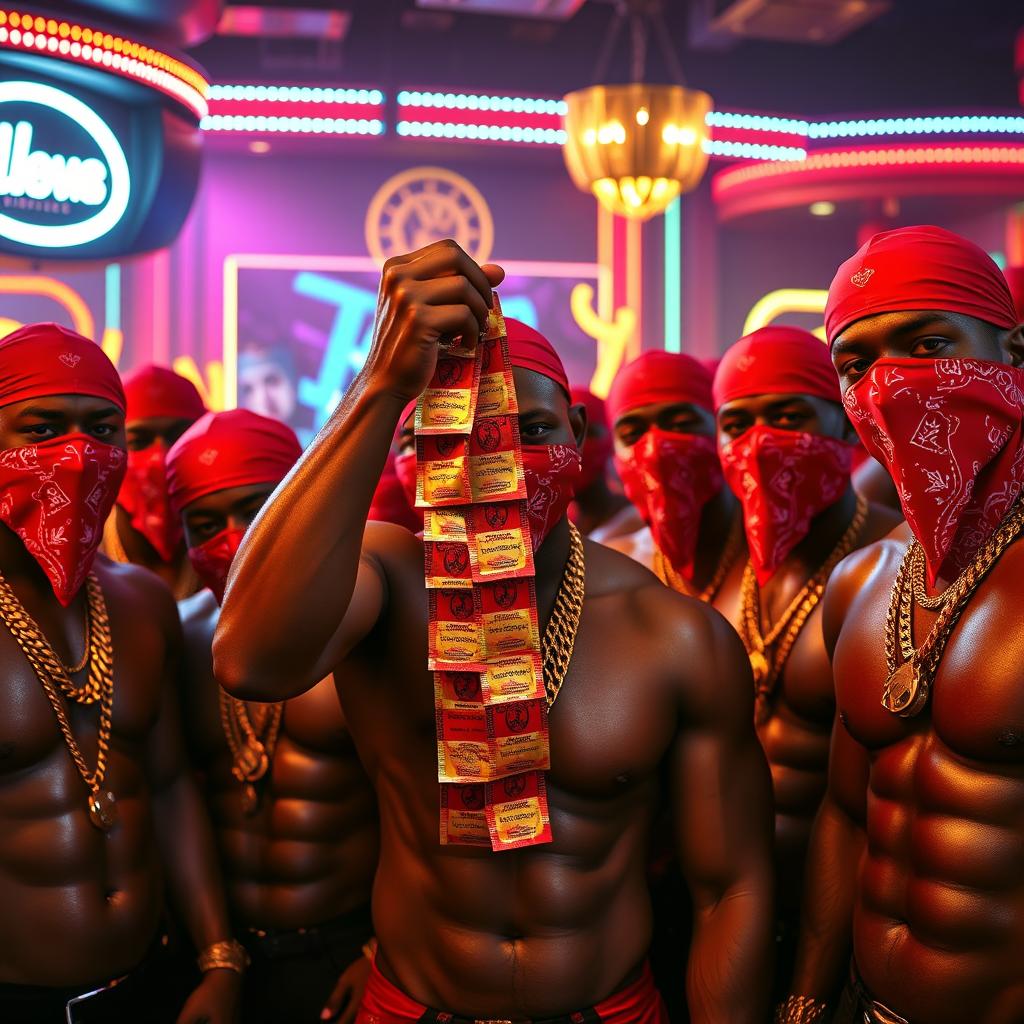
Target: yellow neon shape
x=611, y=337
x=65, y=295
x=113, y=343
x=785, y=300
x=210, y=387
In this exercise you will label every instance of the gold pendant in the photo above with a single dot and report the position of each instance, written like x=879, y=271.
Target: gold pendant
x=250, y=765
x=103, y=809
x=905, y=693
x=250, y=800
x=759, y=665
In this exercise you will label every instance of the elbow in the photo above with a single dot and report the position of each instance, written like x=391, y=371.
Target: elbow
x=236, y=672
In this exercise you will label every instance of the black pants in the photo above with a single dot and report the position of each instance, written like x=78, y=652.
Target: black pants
x=152, y=993
x=293, y=972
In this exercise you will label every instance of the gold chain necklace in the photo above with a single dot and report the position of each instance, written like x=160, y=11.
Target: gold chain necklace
x=668, y=575
x=560, y=634
x=783, y=634
x=252, y=745
x=909, y=681
x=921, y=596
x=55, y=679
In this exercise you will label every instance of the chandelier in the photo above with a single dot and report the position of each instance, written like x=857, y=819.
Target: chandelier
x=637, y=146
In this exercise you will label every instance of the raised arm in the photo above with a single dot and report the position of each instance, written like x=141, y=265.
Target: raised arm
x=722, y=802
x=837, y=841
x=304, y=587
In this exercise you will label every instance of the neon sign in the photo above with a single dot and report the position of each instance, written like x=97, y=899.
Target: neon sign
x=34, y=181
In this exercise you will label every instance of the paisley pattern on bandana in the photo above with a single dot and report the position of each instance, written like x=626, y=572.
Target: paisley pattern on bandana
x=212, y=559
x=56, y=496
x=949, y=432
x=144, y=497
x=784, y=479
x=670, y=477
x=552, y=473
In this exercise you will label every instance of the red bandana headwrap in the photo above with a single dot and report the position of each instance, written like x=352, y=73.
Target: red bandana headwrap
x=154, y=392
x=223, y=450
x=784, y=478
x=597, y=448
x=668, y=476
x=56, y=495
x=921, y=267
x=552, y=471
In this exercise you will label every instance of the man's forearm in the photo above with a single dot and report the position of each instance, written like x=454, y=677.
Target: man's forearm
x=826, y=919
x=190, y=858
x=730, y=968
x=293, y=577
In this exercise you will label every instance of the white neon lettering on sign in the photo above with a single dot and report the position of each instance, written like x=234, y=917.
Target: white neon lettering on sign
x=41, y=175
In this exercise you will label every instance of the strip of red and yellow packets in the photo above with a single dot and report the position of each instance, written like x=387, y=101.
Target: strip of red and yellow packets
x=484, y=638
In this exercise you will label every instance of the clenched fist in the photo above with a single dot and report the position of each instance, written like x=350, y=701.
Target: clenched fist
x=434, y=294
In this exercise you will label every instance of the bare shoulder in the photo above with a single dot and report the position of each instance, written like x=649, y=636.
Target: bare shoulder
x=136, y=593
x=392, y=549
x=695, y=647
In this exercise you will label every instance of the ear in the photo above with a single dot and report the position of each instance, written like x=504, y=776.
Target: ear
x=578, y=423
x=1014, y=344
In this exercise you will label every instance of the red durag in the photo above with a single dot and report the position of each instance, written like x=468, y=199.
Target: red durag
x=776, y=361
x=155, y=392
x=656, y=378
x=220, y=451
x=385, y=1003
x=530, y=350
x=949, y=432
x=670, y=477
x=56, y=495
x=597, y=448
x=229, y=449
x=784, y=479
x=921, y=267
x=41, y=360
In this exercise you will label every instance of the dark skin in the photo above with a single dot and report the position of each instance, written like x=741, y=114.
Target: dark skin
x=142, y=435
x=795, y=735
x=597, y=504
x=309, y=853
x=934, y=899
x=718, y=515
x=871, y=480
x=81, y=905
x=546, y=930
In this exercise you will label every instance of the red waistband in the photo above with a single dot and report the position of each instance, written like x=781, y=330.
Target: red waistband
x=638, y=1003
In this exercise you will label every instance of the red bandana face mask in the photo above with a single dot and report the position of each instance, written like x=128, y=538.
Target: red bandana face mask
x=784, y=478
x=212, y=559
x=949, y=432
x=56, y=496
x=144, y=497
x=670, y=477
x=552, y=474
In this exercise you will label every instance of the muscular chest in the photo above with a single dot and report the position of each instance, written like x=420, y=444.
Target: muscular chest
x=976, y=707
x=29, y=729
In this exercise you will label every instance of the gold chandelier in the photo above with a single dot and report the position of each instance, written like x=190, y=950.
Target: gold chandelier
x=637, y=146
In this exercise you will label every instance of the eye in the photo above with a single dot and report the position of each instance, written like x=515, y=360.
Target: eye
x=733, y=428
x=681, y=424
x=789, y=419
x=102, y=430
x=40, y=431
x=854, y=368
x=929, y=346
x=534, y=430
x=203, y=530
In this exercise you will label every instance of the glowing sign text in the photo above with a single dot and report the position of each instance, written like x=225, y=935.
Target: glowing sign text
x=34, y=174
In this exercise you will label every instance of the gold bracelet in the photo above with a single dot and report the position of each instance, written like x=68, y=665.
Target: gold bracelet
x=370, y=948
x=229, y=954
x=800, y=1010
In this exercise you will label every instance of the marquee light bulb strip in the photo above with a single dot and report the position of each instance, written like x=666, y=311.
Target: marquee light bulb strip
x=67, y=40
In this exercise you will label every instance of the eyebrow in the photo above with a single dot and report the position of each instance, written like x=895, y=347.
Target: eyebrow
x=99, y=414
x=44, y=414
